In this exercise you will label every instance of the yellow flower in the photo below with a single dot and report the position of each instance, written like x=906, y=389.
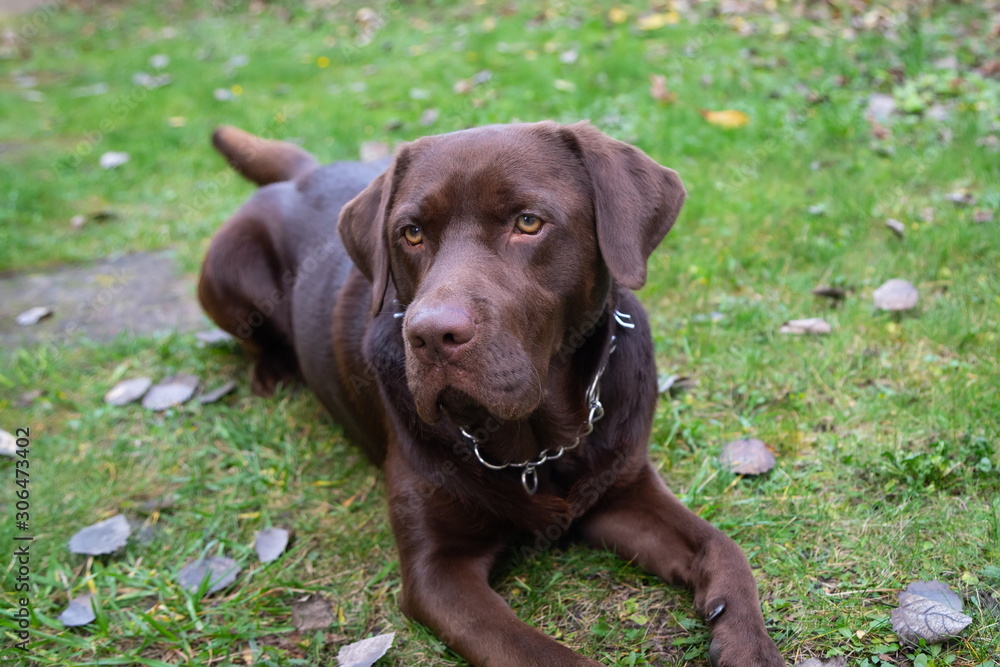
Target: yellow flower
x=322, y=62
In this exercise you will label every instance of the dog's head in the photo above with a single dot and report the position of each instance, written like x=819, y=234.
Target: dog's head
x=500, y=241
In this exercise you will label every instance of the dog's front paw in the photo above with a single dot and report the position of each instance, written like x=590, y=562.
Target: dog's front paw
x=748, y=652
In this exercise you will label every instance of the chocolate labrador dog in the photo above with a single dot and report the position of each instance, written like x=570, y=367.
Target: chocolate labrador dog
x=466, y=313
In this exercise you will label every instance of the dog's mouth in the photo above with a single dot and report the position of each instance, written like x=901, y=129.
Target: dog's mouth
x=461, y=410
x=471, y=397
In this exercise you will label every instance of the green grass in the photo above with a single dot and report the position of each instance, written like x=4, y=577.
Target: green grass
x=886, y=431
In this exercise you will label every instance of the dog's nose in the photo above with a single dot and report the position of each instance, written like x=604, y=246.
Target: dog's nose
x=439, y=332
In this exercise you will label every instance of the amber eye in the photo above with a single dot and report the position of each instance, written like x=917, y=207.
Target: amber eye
x=413, y=235
x=528, y=224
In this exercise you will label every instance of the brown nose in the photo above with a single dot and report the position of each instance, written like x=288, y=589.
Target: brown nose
x=440, y=332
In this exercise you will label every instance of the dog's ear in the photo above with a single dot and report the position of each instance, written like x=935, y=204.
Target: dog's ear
x=362, y=228
x=635, y=201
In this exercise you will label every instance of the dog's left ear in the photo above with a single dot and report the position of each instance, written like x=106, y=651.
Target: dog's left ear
x=635, y=201
x=362, y=228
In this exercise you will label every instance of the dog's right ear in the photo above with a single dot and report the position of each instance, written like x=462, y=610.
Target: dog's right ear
x=362, y=229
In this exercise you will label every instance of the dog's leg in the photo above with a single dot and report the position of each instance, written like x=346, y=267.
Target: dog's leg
x=242, y=288
x=445, y=572
x=648, y=524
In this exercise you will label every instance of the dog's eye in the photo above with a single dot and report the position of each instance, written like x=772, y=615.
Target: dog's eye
x=528, y=224
x=413, y=235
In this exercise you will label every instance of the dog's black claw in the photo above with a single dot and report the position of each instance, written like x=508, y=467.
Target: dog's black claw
x=716, y=613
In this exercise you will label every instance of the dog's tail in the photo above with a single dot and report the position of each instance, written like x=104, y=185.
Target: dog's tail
x=261, y=161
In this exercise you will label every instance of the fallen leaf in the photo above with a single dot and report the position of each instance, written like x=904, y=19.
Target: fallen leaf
x=79, y=612
x=812, y=325
x=217, y=393
x=103, y=537
x=658, y=89
x=113, y=159
x=313, y=612
x=617, y=15
x=657, y=21
x=569, y=57
x=33, y=316
x=938, y=591
x=898, y=228
x=271, y=543
x=159, y=61
x=127, y=391
x=8, y=444
x=747, y=457
x=919, y=618
x=77, y=221
x=728, y=119
x=829, y=292
x=895, y=294
x=818, y=209
x=171, y=391
x=221, y=571
x=365, y=652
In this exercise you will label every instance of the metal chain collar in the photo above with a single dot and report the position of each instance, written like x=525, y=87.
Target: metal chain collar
x=529, y=469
